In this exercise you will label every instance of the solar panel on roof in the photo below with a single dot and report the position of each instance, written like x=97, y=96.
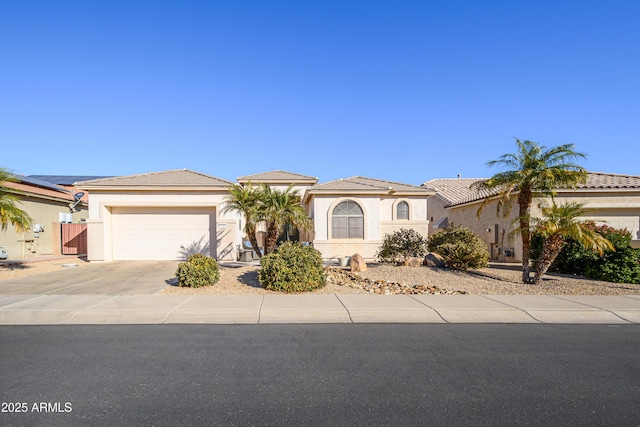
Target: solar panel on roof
x=66, y=179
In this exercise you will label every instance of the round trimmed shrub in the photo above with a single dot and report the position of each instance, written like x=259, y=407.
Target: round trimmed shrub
x=460, y=248
x=197, y=271
x=400, y=245
x=292, y=268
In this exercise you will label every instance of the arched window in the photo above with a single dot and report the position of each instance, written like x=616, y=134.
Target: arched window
x=347, y=221
x=402, y=210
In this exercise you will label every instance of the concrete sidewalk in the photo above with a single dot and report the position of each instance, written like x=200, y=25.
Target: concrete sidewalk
x=258, y=309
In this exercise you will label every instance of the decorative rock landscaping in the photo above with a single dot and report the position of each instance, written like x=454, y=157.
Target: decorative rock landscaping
x=342, y=277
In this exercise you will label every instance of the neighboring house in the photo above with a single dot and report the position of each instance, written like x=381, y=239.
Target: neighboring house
x=352, y=215
x=609, y=198
x=48, y=205
x=67, y=181
x=160, y=216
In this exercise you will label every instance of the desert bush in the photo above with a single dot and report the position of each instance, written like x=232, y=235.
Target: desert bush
x=292, y=268
x=198, y=270
x=619, y=266
x=460, y=247
x=400, y=245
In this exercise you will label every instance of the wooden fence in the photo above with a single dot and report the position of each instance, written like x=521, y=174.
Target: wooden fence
x=74, y=239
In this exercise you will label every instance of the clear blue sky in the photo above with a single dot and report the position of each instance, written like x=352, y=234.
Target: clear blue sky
x=399, y=90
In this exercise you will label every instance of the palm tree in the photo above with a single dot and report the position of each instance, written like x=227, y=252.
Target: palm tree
x=533, y=172
x=245, y=200
x=278, y=209
x=559, y=223
x=10, y=213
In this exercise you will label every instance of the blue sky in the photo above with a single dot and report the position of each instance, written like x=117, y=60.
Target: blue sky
x=399, y=90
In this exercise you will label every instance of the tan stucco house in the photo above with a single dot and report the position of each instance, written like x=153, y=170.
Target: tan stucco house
x=48, y=205
x=159, y=216
x=609, y=198
x=170, y=214
x=352, y=215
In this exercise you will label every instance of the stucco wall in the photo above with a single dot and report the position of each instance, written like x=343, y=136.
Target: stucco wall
x=227, y=235
x=43, y=212
x=618, y=209
x=485, y=226
x=379, y=219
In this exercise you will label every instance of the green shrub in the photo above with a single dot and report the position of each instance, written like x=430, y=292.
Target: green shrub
x=198, y=270
x=292, y=268
x=460, y=247
x=572, y=259
x=619, y=266
x=402, y=244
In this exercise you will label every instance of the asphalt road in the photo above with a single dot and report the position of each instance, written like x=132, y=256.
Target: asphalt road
x=332, y=375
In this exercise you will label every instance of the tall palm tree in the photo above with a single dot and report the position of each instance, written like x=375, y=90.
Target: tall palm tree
x=278, y=209
x=559, y=223
x=10, y=213
x=534, y=171
x=245, y=200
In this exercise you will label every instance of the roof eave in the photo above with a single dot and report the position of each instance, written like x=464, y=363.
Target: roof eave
x=95, y=188
x=278, y=181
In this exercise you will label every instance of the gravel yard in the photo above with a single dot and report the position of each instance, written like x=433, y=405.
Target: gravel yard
x=498, y=279
x=495, y=280
x=10, y=270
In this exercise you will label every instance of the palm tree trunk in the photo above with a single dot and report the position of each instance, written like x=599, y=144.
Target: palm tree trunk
x=271, y=238
x=251, y=234
x=524, y=204
x=550, y=250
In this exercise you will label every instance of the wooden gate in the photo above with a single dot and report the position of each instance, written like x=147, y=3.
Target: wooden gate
x=74, y=239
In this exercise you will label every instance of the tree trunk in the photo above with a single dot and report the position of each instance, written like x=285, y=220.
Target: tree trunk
x=524, y=204
x=251, y=234
x=551, y=247
x=271, y=238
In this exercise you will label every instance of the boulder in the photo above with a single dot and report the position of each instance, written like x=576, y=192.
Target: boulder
x=357, y=263
x=413, y=261
x=433, y=260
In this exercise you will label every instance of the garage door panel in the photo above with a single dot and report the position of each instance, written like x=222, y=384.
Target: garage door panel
x=160, y=234
x=621, y=222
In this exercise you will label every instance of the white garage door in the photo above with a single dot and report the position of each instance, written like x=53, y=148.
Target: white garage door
x=160, y=233
x=631, y=223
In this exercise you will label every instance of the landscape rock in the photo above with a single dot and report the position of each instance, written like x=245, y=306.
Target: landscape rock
x=434, y=260
x=358, y=263
x=413, y=262
x=341, y=277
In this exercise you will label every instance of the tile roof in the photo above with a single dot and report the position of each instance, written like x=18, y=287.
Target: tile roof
x=359, y=184
x=35, y=187
x=597, y=180
x=456, y=191
x=278, y=176
x=172, y=178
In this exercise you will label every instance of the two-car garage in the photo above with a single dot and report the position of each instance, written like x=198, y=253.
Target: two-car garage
x=160, y=216
x=156, y=233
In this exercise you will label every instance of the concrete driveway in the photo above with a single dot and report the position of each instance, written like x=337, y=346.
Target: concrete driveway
x=108, y=278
